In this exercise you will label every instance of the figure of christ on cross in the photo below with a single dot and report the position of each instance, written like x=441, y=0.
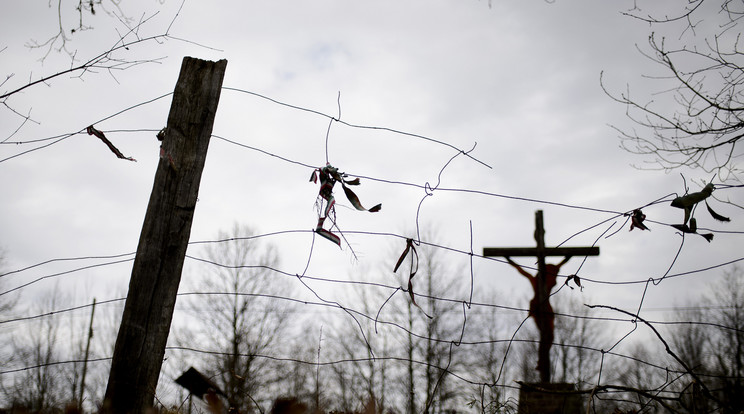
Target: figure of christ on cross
x=540, y=309
x=542, y=283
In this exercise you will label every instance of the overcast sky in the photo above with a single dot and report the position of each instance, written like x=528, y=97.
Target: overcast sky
x=517, y=82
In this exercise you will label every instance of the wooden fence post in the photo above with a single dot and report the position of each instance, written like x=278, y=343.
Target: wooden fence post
x=156, y=273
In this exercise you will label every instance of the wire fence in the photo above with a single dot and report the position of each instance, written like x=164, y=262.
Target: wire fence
x=462, y=307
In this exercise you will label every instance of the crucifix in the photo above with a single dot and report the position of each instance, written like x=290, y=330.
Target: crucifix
x=542, y=283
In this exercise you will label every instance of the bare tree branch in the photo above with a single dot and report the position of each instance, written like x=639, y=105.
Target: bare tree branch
x=59, y=41
x=668, y=349
x=698, y=121
x=105, y=60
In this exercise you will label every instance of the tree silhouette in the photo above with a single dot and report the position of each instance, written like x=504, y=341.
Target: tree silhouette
x=235, y=313
x=692, y=113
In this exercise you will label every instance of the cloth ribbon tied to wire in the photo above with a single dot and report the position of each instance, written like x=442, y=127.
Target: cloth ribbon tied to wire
x=692, y=229
x=688, y=202
x=410, y=246
x=636, y=220
x=576, y=280
x=92, y=131
x=329, y=176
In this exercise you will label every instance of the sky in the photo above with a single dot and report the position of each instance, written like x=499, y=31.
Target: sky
x=515, y=83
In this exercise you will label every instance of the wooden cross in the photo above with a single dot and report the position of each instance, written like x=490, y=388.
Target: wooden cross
x=540, y=308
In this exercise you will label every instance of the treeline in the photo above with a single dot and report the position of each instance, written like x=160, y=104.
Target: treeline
x=259, y=333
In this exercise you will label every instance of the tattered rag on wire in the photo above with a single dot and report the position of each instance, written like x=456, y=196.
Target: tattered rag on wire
x=688, y=202
x=636, y=220
x=692, y=229
x=329, y=176
x=92, y=131
x=410, y=246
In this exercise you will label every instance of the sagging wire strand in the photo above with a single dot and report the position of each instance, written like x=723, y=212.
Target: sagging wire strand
x=584, y=279
x=360, y=314
x=368, y=317
x=61, y=137
x=428, y=190
x=335, y=119
x=63, y=273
